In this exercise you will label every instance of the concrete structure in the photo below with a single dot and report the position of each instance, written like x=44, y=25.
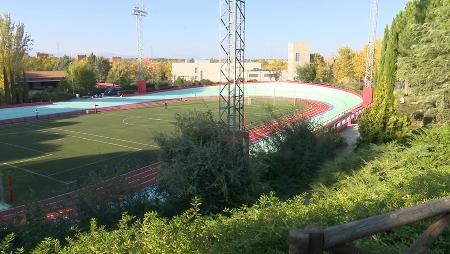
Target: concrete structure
x=298, y=55
x=205, y=70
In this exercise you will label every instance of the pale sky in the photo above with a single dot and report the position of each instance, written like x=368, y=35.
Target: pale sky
x=189, y=29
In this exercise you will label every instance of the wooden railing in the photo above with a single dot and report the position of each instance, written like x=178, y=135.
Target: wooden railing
x=337, y=239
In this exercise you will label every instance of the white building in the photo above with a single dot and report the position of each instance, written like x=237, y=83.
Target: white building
x=298, y=55
x=205, y=70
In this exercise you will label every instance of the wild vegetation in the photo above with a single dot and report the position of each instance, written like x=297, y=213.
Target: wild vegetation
x=398, y=176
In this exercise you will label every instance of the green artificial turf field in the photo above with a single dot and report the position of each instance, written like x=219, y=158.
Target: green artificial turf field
x=47, y=158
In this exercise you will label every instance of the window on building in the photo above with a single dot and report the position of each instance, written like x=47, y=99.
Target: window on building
x=297, y=57
x=196, y=70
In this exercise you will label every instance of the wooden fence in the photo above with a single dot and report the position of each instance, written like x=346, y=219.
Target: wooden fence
x=337, y=239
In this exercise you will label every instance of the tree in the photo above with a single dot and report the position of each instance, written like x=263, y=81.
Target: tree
x=380, y=123
x=81, y=76
x=201, y=159
x=40, y=64
x=63, y=63
x=306, y=73
x=343, y=69
x=102, y=67
x=426, y=67
x=14, y=45
x=119, y=73
x=321, y=68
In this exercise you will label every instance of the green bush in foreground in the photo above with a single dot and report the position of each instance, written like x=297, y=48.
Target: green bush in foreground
x=401, y=176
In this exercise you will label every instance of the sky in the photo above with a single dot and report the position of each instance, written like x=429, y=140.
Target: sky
x=190, y=29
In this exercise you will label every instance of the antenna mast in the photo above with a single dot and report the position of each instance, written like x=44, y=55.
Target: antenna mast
x=139, y=11
x=370, y=59
x=232, y=71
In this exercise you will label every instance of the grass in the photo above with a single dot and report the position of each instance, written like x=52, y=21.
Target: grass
x=47, y=158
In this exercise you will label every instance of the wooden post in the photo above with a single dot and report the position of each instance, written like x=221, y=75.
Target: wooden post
x=316, y=239
x=308, y=241
x=298, y=242
x=427, y=238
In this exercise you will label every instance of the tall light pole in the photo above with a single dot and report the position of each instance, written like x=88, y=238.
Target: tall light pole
x=232, y=71
x=370, y=58
x=139, y=11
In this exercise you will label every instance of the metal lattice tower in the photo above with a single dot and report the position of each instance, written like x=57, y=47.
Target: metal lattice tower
x=370, y=59
x=232, y=71
x=139, y=11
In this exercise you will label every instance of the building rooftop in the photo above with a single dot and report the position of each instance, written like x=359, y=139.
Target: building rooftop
x=45, y=75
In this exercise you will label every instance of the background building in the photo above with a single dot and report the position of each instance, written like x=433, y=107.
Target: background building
x=204, y=69
x=299, y=54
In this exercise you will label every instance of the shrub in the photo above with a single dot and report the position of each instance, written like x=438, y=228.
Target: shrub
x=399, y=176
x=295, y=155
x=201, y=160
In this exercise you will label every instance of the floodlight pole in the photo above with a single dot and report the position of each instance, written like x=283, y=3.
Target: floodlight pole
x=370, y=58
x=232, y=71
x=139, y=11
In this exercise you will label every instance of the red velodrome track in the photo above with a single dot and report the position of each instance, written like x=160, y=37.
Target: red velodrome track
x=62, y=206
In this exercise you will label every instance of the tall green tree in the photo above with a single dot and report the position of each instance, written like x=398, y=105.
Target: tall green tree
x=427, y=66
x=81, y=76
x=14, y=45
x=343, y=69
x=119, y=73
x=306, y=73
x=63, y=63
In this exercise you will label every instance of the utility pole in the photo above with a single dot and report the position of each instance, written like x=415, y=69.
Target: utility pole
x=232, y=71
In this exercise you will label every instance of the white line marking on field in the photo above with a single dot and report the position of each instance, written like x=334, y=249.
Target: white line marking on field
x=95, y=135
x=88, y=164
x=31, y=159
x=41, y=175
x=25, y=148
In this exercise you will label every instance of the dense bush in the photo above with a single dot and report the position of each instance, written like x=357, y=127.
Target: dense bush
x=202, y=159
x=51, y=94
x=295, y=155
x=399, y=176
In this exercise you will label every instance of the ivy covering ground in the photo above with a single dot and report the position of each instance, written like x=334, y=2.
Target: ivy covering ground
x=398, y=176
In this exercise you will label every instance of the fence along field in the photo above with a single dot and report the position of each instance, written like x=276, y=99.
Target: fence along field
x=50, y=157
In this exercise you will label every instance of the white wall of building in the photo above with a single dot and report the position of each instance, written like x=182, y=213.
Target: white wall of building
x=205, y=70
x=299, y=54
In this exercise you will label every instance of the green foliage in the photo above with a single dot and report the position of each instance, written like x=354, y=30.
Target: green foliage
x=306, y=73
x=40, y=64
x=295, y=155
x=81, y=75
x=14, y=44
x=398, y=176
x=101, y=67
x=119, y=74
x=63, y=63
x=201, y=159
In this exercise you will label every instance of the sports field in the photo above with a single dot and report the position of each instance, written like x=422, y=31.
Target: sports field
x=50, y=157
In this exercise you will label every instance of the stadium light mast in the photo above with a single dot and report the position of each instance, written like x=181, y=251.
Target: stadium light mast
x=139, y=11
x=232, y=71
x=370, y=58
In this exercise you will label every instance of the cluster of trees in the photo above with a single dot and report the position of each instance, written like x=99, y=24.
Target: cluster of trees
x=415, y=56
x=14, y=45
x=347, y=68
